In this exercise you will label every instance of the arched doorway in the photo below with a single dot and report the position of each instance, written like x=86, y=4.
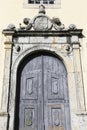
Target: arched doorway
x=42, y=101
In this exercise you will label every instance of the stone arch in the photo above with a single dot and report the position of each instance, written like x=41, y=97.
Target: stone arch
x=66, y=61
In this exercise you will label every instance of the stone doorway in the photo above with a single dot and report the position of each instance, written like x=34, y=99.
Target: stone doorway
x=42, y=101
x=48, y=35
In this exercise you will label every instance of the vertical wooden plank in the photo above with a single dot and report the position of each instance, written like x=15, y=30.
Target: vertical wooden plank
x=55, y=95
x=30, y=107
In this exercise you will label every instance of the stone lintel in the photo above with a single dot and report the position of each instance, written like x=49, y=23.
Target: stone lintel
x=41, y=40
x=62, y=33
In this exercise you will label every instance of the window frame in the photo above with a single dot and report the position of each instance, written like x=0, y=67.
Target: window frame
x=56, y=5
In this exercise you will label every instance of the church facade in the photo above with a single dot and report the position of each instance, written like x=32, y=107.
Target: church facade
x=43, y=72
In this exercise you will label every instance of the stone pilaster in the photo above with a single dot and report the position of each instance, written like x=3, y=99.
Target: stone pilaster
x=6, y=83
x=78, y=78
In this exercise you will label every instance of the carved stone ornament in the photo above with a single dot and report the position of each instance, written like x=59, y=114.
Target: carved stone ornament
x=28, y=23
x=72, y=27
x=41, y=23
x=57, y=24
x=11, y=27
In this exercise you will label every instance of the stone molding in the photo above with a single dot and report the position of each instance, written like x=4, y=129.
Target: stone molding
x=66, y=33
x=3, y=114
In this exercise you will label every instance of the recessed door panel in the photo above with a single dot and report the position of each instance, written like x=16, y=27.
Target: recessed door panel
x=55, y=86
x=56, y=117
x=28, y=117
x=30, y=85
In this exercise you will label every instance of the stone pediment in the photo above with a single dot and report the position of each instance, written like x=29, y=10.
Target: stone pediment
x=42, y=25
x=41, y=22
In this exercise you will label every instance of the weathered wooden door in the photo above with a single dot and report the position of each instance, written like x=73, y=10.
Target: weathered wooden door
x=43, y=103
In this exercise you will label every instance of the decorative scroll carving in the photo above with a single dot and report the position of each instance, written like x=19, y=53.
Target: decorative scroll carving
x=57, y=24
x=41, y=23
x=28, y=23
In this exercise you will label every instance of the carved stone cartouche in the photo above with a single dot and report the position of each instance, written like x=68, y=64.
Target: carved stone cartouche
x=42, y=22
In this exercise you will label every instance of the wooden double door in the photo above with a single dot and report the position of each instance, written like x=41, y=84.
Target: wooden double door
x=43, y=102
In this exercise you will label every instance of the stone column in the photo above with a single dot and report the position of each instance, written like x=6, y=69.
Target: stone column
x=6, y=84
x=78, y=78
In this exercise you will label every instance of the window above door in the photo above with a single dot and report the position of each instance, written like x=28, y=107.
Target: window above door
x=48, y=3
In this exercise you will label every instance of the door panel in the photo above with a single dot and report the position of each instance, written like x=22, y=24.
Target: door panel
x=54, y=114
x=56, y=117
x=30, y=81
x=44, y=101
x=55, y=86
x=31, y=96
x=29, y=118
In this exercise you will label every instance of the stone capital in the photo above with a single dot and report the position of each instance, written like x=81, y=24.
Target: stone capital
x=76, y=45
x=2, y=114
x=8, y=42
